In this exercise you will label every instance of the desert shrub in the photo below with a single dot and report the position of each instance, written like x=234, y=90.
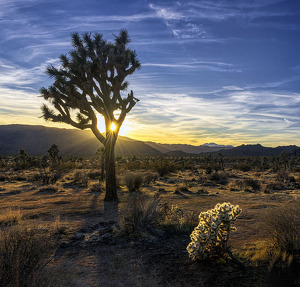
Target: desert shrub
x=264, y=253
x=47, y=190
x=24, y=253
x=46, y=177
x=208, y=170
x=98, y=187
x=133, y=181
x=183, y=187
x=4, y=178
x=273, y=186
x=250, y=184
x=282, y=175
x=81, y=178
x=143, y=215
x=187, y=166
x=10, y=216
x=58, y=226
x=164, y=167
x=247, y=184
x=282, y=226
x=243, y=167
x=210, y=237
x=201, y=178
x=94, y=175
x=150, y=177
x=219, y=177
x=178, y=221
x=63, y=166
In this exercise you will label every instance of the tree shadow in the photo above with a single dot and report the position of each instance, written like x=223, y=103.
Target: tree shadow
x=111, y=211
x=94, y=206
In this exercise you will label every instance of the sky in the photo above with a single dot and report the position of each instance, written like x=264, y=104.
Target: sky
x=223, y=71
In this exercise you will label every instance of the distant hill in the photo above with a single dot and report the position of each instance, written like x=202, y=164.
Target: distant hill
x=178, y=153
x=36, y=140
x=217, y=145
x=189, y=149
x=259, y=150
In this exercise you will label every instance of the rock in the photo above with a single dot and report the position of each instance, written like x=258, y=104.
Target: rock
x=79, y=236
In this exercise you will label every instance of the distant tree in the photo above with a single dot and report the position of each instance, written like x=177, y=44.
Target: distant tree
x=88, y=83
x=21, y=159
x=53, y=152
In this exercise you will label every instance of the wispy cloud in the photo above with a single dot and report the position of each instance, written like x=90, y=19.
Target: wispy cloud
x=187, y=20
x=166, y=13
x=19, y=106
x=220, y=10
x=197, y=65
x=234, y=113
x=114, y=18
x=13, y=6
x=14, y=76
x=178, y=21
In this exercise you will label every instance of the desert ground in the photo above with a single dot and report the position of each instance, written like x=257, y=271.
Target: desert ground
x=90, y=242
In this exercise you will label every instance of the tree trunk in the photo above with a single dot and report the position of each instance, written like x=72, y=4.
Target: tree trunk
x=102, y=166
x=110, y=172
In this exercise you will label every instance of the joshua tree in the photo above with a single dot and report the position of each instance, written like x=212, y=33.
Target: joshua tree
x=53, y=152
x=89, y=82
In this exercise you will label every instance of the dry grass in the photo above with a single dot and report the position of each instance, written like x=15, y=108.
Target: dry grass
x=178, y=221
x=24, y=253
x=282, y=226
x=10, y=216
x=143, y=215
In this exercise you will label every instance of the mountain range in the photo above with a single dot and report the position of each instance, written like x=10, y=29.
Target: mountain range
x=36, y=140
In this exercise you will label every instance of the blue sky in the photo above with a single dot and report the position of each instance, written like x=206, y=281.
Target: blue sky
x=225, y=71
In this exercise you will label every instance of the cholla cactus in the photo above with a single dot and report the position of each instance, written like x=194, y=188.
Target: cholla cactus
x=211, y=235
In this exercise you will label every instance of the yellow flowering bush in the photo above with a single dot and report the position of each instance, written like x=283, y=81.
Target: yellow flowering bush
x=210, y=237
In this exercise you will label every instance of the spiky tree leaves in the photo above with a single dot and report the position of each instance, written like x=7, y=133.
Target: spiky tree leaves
x=89, y=82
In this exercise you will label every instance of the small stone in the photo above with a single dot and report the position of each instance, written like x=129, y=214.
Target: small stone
x=79, y=236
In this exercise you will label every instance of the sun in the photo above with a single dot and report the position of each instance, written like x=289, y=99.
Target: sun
x=125, y=128
x=113, y=127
